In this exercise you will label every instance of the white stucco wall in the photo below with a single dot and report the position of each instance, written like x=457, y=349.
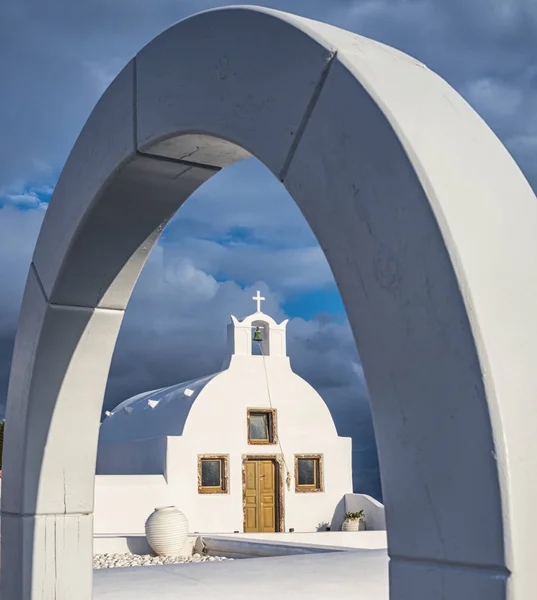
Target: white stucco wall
x=123, y=502
x=216, y=423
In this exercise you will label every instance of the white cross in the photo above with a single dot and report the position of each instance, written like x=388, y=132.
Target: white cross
x=258, y=298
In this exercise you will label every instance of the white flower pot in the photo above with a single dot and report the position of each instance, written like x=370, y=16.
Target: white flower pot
x=351, y=525
x=166, y=531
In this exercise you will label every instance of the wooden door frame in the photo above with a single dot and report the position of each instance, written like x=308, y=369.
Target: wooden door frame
x=278, y=471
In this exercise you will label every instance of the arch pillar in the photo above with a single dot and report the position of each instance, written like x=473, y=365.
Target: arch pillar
x=428, y=226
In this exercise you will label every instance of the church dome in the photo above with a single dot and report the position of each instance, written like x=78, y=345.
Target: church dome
x=153, y=414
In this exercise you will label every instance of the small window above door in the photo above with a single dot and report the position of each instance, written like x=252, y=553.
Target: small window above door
x=261, y=426
x=308, y=473
x=212, y=474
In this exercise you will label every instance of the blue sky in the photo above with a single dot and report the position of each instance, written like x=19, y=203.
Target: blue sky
x=240, y=232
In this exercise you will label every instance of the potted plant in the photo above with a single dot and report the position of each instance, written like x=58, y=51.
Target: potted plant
x=354, y=521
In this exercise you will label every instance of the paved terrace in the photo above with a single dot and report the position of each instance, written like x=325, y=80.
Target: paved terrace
x=354, y=575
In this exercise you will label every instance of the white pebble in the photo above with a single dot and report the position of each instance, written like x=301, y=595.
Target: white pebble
x=117, y=561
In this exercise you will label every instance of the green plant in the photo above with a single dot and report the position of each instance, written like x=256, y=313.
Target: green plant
x=354, y=516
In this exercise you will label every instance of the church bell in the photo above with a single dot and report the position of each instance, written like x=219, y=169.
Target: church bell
x=257, y=335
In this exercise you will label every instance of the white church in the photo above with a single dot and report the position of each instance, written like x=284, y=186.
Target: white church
x=252, y=448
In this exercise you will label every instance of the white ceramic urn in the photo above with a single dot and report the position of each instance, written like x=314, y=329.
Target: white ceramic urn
x=166, y=531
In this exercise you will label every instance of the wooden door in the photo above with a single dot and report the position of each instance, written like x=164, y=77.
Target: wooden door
x=260, y=496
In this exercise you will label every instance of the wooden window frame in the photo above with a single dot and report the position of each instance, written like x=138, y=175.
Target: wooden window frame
x=273, y=439
x=310, y=489
x=224, y=487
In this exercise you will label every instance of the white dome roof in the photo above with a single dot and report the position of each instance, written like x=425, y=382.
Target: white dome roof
x=153, y=414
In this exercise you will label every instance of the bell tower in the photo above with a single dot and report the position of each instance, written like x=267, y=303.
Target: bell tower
x=258, y=328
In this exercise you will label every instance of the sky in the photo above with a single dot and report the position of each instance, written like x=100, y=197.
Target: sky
x=240, y=232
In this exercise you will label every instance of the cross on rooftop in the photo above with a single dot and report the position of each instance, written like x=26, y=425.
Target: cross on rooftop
x=258, y=298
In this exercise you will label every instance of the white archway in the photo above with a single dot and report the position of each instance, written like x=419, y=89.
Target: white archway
x=429, y=228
